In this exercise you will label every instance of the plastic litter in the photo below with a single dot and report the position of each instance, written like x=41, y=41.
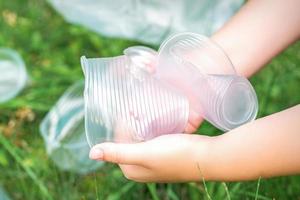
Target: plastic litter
x=3, y=194
x=147, y=21
x=143, y=93
x=13, y=76
x=124, y=102
x=64, y=135
x=202, y=70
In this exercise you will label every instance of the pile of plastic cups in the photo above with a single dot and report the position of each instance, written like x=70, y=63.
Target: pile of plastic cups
x=143, y=93
x=138, y=96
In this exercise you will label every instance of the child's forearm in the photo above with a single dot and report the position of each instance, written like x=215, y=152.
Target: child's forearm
x=267, y=147
x=258, y=32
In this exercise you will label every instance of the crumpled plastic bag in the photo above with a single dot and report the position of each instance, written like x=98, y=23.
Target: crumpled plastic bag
x=64, y=134
x=147, y=21
x=13, y=76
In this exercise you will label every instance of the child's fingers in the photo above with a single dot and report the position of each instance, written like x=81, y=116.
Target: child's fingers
x=193, y=123
x=131, y=154
x=136, y=172
x=190, y=128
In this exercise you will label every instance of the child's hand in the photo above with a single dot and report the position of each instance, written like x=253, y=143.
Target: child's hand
x=266, y=147
x=163, y=159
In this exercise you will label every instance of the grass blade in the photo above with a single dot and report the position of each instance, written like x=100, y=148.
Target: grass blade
x=226, y=190
x=257, y=188
x=28, y=171
x=152, y=188
x=122, y=191
x=204, y=183
x=171, y=194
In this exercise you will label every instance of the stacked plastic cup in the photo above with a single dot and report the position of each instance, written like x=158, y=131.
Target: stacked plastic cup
x=64, y=135
x=13, y=76
x=202, y=70
x=143, y=94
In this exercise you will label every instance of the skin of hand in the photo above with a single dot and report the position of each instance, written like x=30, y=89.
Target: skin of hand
x=258, y=32
x=169, y=157
x=266, y=147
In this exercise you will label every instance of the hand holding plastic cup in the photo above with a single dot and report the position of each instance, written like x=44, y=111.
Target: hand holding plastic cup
x=127, y=99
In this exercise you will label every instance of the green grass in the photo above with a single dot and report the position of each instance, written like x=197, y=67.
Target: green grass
x=51, y=49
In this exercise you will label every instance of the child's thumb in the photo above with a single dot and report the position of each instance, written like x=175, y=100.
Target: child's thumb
x=118, y=153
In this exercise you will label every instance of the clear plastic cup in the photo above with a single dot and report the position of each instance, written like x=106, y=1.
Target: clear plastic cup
x=125, y=103
x=204, y=73
x=64, y=134
x=13, y=74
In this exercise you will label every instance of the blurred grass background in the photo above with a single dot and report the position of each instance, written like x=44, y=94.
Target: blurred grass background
x=51, y=49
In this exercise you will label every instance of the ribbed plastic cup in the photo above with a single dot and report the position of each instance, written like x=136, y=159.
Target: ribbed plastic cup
x=125, y=103
x=13, y=76
x=64, y=134
x=204, y=73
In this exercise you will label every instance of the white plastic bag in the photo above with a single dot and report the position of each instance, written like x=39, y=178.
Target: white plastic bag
x=147, y=21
